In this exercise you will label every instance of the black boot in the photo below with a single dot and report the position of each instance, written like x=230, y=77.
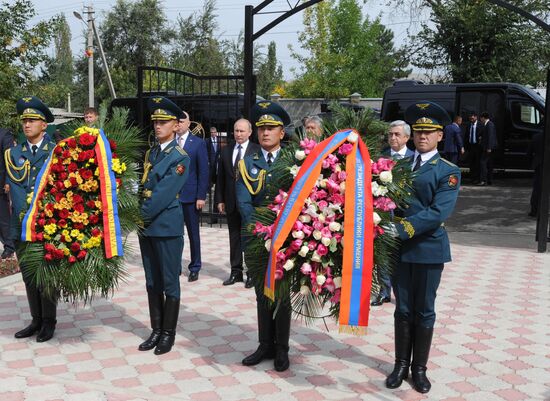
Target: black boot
x=49, y=312
x=421, y=351
x=156, y=304
x=282, y=335
x=403, y=347
x=266, y=326
x=169, y=323
x=35, y=308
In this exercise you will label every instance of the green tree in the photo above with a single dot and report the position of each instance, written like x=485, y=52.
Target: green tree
x=196, y=49
x=269, y=73
x=345, y=53
x=476, y=41
x=22, y=49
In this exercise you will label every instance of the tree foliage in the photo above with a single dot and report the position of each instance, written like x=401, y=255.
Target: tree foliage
x=477, y=41
x=345, y=52
x=22, y=49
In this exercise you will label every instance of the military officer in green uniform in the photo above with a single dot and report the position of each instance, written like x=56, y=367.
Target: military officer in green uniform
x=254, y=175
x=23, y=163
x=425, y=245
x=161, y=240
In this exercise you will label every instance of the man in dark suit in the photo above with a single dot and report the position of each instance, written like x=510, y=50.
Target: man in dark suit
x=23, y=163
x=6, y=141
x=425, y=246
x=472, y=145
x=161, y=240
x=213, y=147
x=273, y=319
x=399, y=133
x=452, y=144
x=193, y=195
x=488, y=146
x=226, y=199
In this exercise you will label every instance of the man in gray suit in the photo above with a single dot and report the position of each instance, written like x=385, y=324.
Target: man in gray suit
x=398, y=135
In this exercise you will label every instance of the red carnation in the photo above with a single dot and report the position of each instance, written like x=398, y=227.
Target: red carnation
x=72, y=259
x=41, y=222
x=58, y=254
x=62, y=223
x=59, y=185
x=40, y=236
x=73, y=181
x=78, y=226
x=57, y=150
x=53, y=190
x=48, y=257
x=77, y=198
x=63, y=174
x=58, y=197
x=49, y=207
x=63, y=213
x=86, y=139
x=85, y=173
x=72, y=167
x=114, y=155
x=94, y=218
x=90, y=204
x=96, y=232
x=118, y=182
x=81, y=255
x=66, y=153
x=49, y=247
x=71, y=143
x=79, y=207
x=113, y=144
x=75, y=247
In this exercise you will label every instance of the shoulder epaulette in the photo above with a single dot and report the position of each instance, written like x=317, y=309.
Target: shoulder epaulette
x=434, y=161
x=182, y=152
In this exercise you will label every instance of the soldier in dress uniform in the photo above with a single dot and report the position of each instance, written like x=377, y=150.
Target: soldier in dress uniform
x=425, y=245
x=254, y=177
x=161, y=240
x=23, y=163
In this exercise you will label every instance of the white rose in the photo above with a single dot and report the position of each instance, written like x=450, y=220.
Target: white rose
x=352, y=137
x=334, y=226
x=343, y=187
x=325, y=241
x=303, y=251
x=317, y=234
x=386, y=176
x=304, y=290
x=321, y=279
x=323, y=183
x=337, y=168
x=316, y=257
x=268, y=245
x=298, y=234
x=300, y=155
x=376, y=218
x=321, y=218
x=337, y=282
x=294, y=170
x=305, y=218
x=289, y=264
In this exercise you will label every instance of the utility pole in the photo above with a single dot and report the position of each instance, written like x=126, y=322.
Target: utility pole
x=90, y=54
x=102, y=53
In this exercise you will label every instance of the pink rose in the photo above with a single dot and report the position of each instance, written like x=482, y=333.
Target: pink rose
x=345, y=149
x=322, y=250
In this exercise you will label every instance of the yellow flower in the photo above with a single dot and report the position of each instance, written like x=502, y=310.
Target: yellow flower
x=67, y=183
x=74, y=233
x=80, y=237
x=29, y=198
x=66, y=251
x=47, y=236
x=65, y=233
x=98, y=204
x=50, y=228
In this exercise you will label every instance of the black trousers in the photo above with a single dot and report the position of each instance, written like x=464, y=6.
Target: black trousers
x=5, y=216
x=474, y=155
x=486, y=167
x=235, y=248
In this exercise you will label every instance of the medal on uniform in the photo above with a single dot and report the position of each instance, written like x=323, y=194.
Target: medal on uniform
x=254, y=170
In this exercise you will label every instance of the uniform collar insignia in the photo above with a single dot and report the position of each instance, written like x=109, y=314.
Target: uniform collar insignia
x=434, y=161
x=45, y=147
x=168, y=149
x=24, y=148
x=256, y=156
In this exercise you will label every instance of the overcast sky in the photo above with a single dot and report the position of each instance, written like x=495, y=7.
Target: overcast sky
x=230, y=20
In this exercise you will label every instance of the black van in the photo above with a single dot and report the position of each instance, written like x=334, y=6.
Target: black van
x=516, y=110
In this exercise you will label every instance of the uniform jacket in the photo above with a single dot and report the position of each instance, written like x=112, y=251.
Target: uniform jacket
x=422, y=231
x=19, y=190
x=489, y=136
x=452, y=139
x=160, y=208
x=6, y=141
x=226, y=179
x=198, y=181
x=246, y=202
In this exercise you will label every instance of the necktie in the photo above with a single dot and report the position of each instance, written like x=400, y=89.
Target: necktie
x=34, y=149
x=181, y=142
x=473, y=134
x=269, y=158
x=418, y=163
x=238, y=157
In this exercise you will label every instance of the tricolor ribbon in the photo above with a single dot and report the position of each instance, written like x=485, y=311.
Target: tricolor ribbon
x=112, y=234
x=358, y=240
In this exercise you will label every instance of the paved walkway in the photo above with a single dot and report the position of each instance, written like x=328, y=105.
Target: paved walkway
x=492, y=341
